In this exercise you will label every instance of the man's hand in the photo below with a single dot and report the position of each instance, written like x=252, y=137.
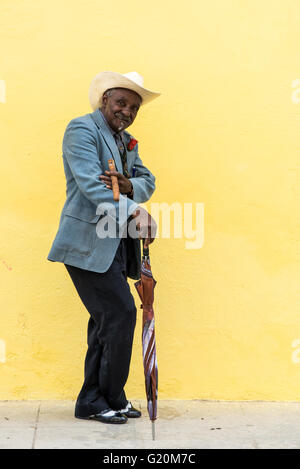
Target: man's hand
x=146, y=225
x=125, y=185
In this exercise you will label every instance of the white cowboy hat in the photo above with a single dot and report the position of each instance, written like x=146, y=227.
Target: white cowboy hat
x=106, y=80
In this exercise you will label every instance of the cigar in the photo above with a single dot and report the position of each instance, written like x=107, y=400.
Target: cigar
x=114, y=181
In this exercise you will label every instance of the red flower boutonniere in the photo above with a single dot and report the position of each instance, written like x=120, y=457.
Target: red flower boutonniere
x=131, y=144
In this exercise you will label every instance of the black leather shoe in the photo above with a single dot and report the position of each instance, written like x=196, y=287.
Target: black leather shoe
x=130, y=411
x=107, y=416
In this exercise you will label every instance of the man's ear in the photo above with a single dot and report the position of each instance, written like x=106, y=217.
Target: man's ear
x=104, y=100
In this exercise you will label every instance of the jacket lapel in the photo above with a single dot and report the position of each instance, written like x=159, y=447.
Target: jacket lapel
x=108, y=138
x=130, y=154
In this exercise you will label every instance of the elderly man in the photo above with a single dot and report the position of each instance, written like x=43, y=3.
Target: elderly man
x=100, y=261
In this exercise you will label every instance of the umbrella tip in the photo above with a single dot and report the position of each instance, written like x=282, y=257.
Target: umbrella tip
x=153, y=430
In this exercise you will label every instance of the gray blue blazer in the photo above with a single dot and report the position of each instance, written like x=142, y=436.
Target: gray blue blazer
x=87, y=145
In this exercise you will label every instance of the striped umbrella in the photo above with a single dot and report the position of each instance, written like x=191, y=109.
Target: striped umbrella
x=145, y=288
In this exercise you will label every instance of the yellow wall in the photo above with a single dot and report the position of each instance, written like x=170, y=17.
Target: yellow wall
x=225, y=133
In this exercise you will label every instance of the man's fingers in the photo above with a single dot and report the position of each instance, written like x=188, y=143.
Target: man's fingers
x=147, y=241
x=115, y=173
x=135, y=214
x=145, y=225
x=106, y=181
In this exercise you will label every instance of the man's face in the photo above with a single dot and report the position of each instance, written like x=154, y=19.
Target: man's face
x=120, y=107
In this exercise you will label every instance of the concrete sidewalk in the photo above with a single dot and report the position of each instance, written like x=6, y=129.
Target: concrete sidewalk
x=180, y=425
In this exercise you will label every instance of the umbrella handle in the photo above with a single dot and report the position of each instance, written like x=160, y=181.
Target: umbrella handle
x=145, y=252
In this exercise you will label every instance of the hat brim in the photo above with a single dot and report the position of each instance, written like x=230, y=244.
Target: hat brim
x=106, y=80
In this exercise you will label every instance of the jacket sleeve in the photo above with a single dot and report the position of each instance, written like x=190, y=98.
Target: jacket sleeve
x=81, y=153
x=143, y=183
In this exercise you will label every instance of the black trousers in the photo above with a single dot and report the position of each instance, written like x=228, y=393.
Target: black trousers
x=108, y=299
